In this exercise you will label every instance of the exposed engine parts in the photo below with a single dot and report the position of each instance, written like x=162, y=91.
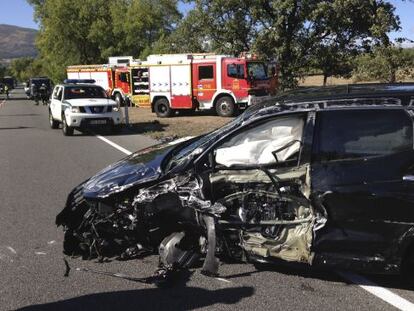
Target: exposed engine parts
x=174, y=219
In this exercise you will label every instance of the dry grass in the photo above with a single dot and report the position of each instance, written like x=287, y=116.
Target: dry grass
x=143, y=121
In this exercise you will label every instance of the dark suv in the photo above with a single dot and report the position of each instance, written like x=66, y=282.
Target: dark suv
x=320, y=176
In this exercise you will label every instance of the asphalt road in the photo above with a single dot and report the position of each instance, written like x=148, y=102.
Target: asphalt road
x=38, y=168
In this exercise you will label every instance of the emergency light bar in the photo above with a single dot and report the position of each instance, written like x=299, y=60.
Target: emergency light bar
x=79, y=81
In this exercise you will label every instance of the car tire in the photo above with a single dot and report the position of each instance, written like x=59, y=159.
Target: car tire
x=53, y=123
x=119, y=100
x=66, y=129
x=225, y=106
x=162, y=108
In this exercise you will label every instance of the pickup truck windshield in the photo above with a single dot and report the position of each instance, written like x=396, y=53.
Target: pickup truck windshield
x=74, y=92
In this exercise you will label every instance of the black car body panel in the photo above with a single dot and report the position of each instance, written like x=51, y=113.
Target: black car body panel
x=139, y=168
x=322, y=178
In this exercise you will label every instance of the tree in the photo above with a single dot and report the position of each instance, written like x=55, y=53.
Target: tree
x=24, y=68
x=385, y=64
x=365, y=23
x=321, y=34
x=301, y=34
x=88, y=31
x=140, y=24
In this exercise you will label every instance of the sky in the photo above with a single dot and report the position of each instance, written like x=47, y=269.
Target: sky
x=19, y=13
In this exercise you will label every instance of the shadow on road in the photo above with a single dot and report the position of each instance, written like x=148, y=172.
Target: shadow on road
x=20, y=115
x=16, y=128
x=13, y=97
x=175, y=298
x=133, y=129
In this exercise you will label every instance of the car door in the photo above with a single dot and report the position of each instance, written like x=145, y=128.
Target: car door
x=259, y=173
x=204, y=82
x=362, y=175
x=56, y=103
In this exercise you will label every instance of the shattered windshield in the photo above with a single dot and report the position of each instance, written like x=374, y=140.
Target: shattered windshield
x=186, y=153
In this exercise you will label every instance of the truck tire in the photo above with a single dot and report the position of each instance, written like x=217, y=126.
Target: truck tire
x=225, y=106
x=119, y=100
x=162, y=108
x=53, y=123
x=66, y=129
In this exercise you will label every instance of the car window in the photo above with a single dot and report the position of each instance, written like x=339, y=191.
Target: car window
x=257, y=71
x=57, y=94
x=261, y=144
x=362, y=133
x=235, y=70
x=74, y=92
x=205, y=72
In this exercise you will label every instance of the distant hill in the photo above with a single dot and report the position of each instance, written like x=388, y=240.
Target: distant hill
x=17, y=42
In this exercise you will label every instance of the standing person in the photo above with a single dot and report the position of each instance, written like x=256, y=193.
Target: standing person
x=6, y=90
x=43, y=93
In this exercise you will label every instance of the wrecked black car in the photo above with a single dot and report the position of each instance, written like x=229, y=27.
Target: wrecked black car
x=324, y=177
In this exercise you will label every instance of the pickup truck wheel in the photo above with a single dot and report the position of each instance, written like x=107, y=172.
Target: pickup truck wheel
x=225, y=106
x=162, y=108
x=53, y=123
x=119, y=100
x=66, y=129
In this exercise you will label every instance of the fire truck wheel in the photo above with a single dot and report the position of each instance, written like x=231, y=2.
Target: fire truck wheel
x=225, y=106
x=119, y=100
x=162, y=108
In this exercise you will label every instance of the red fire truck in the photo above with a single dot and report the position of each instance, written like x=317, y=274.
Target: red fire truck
x=114, y=79
x=167, y=83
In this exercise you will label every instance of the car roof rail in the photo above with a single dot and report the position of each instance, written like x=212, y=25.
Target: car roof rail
x=345, y=102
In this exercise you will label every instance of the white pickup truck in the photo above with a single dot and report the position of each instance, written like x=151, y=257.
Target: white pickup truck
x=80, y=106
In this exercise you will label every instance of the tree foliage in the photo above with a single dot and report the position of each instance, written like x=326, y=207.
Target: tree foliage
x=322, y=35
x=301, y=34
x=24, y=68
x=385, y=64
x=88, y=31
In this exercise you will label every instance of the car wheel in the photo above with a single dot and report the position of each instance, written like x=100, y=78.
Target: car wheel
x=119, y=100
x=225, y=106
x=162, y=108
x=53, y=123
x=66, y=129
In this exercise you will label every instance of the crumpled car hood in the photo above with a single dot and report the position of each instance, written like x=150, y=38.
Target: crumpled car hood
x=140, y=167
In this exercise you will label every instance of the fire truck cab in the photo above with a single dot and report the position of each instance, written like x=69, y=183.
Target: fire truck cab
x=113, y=78
x=198, y=81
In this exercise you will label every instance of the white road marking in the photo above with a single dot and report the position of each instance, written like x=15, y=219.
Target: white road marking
x=116, y=146
x=40, y=253
x=382, y=293
x=51, y=242
x=223, y=280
